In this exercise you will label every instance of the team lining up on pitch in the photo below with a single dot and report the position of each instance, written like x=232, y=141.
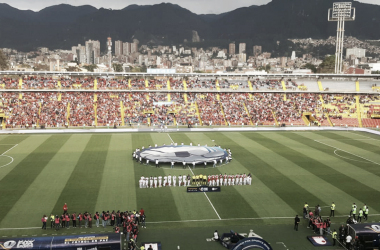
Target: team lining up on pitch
x=186, y=180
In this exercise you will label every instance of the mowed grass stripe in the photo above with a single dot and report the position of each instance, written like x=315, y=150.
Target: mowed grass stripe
x=118, y=177
x=363, y=171
x=260, y=197
x=289, y=191
x=244, y=195
x=43, y=193
x=193, y=206
x=17, y=181
x=184, y=202
x=18, y=153
x=287, y=168
x=158, y=203
x=82, y=188
x=296, y=150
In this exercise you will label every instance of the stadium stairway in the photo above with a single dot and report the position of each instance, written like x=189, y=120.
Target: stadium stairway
x=274, y=117
x=320, y=86
x=358, y=110
x=217, y=85
x=198, y=114
x=168, y=87
x=95, y=114
x=222, y=110
x=122, y=113
x=357, y=86
x=68, y=114
x=283, y=85
x=250, y=86
x=246, y=110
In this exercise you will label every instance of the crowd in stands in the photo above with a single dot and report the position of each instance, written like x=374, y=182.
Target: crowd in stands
x=76, y=108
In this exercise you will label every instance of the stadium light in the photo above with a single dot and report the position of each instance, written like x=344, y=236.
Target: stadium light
x=341, y=12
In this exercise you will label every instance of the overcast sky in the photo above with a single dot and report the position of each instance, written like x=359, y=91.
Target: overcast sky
x=196, y=6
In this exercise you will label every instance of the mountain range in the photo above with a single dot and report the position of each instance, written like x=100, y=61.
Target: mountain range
x=62, y=26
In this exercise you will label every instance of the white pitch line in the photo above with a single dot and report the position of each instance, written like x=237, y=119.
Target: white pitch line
x=3, y=154
x=203, y=220
x=347, y=152
x=170, y=138
x=9, y=149
x=207, y=198
x=349, y=158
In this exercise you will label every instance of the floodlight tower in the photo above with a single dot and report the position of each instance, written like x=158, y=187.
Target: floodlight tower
x=341, y=12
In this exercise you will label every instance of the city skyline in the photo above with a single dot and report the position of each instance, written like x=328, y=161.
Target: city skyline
x=196, y=6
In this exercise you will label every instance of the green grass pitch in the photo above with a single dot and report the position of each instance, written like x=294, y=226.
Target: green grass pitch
x=95, y=172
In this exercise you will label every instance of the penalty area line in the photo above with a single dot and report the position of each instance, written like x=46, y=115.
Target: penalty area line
x=347, y=152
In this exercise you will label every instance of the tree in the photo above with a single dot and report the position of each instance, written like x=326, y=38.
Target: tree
x=310, y=66
x=72, y=69
x=328, y=65
x=3, y=61
x=117, y=67
x=90, y=67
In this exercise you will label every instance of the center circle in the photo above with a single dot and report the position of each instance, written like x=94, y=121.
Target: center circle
x=183, y=153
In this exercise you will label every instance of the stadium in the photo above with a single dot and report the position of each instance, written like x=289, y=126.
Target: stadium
x=70, y=138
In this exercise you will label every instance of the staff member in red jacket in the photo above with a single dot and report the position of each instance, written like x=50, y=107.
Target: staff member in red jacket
x=44, y=219
x=65, y=208
x=57, y=222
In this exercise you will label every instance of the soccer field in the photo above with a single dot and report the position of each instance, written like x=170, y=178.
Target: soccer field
x=96, y=172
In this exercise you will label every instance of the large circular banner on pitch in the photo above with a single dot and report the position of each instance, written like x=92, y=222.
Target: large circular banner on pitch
x=183, y=153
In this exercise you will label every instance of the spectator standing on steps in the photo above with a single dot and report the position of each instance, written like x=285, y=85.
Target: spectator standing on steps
x=348, y=241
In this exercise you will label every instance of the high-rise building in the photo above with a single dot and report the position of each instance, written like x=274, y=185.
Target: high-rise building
x=80, y=53
x=109, y=53
x=231, y=49
x=118, y=48
x=357, y=52
x=92, y=51
x=242, y=48
x=135, y=46
x=257, y=50
x=293, y=57
x=126, y=49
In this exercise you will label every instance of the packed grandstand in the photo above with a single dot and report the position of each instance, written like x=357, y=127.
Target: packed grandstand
x=66, y=101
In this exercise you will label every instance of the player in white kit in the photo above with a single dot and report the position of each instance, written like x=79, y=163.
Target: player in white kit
x=174, y=180
x=146, y=182
x=155, y=181
x=225, y=180
x=241, y=179
x=165, y=180
x=184, y=180
x=179, y=180
x=188, y=180
x=229, y=180
x=151, y=182
x=232, y=181
x=170, y=180
x=159, y=181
